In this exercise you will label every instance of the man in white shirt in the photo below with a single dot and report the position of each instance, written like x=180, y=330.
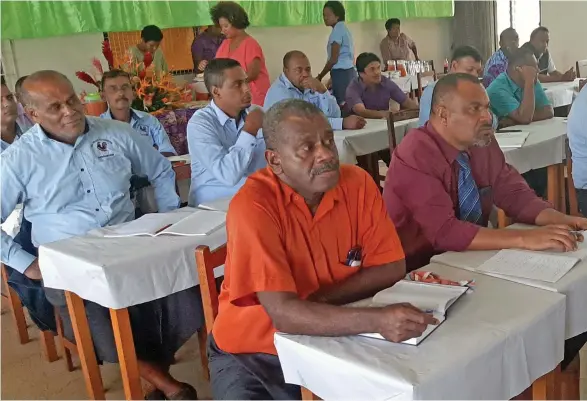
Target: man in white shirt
x=547, y=72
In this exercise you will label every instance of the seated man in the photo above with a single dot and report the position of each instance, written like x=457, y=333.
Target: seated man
x=290, y=229
x=296, y=82
x=498, y=62
x=465, y=59
x=205, y=46
x=118, y=93
x=72, y=173
x=224, y=138
x=369, y=94
x=516, y=96
x=23, y=120
x=577, y=133
x=151, y=37
x=538, y=45
x=445, y=177
x=30, y=292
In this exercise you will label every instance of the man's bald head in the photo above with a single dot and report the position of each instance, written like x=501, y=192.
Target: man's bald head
x=37, y=81
x=509, y=40
x=51, y=101
x=297, y=68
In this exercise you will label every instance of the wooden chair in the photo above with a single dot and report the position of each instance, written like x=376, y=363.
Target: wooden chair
x=206, y=262
x=16, y=309
x=582, y=68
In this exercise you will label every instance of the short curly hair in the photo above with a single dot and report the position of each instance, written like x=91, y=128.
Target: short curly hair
x=233, y=12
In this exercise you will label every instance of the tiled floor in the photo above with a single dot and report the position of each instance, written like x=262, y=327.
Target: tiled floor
x=27, y=376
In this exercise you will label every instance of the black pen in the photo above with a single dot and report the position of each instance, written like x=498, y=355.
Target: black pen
x=502, y=131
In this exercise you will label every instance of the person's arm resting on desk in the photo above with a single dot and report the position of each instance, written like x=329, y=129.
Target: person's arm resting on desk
x=506, y=106
x=264, y=276
x=13, y=191
x=147, y=161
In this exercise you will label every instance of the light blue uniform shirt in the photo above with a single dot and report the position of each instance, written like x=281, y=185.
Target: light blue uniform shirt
x=69, y=190
x=283, y=89
x=577, y=133
x=340, y=34
x=148, y=127
x=506, y=96
x=426, y=106
x=222, y=154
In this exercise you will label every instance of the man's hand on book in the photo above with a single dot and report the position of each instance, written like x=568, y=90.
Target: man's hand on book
x=400, y=322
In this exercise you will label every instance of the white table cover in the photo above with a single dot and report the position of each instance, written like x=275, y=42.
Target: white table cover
x=120, y=272
x=495, y=342
x=561, y=93
x=372, y=138
x=409, y=82
x=573, y=284
x=545, y=145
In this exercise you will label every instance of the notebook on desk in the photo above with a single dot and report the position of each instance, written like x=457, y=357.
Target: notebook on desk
x=189, y=223
x=511, y=140
x=426, y=297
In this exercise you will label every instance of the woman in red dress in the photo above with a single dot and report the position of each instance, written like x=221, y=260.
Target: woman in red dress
x=233, y=20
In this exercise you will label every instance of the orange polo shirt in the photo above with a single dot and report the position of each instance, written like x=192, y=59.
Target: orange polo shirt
x=275, y=244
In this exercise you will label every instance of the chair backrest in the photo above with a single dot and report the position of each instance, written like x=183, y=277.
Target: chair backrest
x=395, y=117
x=206, y=262
x=582, y=68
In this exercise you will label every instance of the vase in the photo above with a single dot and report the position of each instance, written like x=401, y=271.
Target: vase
x=95, y=108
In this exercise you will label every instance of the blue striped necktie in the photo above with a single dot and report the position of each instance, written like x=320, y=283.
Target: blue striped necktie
x=469, y=201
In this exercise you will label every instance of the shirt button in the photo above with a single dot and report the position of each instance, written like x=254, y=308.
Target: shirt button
x=88, y=191
x=97, y=210
x=82, y=169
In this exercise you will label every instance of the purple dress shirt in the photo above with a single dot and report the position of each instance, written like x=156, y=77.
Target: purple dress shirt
x=205, y=47
x=376, y=98
x=421, y=194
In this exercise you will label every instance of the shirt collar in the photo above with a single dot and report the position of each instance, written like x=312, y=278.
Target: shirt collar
x=512, y=85
x=288, y=85
x=134, y=115
x=222, y=116
x=326, y=204
x=448, y=151
x=40, y=132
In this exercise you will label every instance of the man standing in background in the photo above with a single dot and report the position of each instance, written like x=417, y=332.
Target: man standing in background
x=397, y=45
x=205, y=46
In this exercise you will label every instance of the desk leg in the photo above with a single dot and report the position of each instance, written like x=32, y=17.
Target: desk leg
x=553, y=185
x=546, y=387
x=85, y=346
x=307, y=395
x=127, y=357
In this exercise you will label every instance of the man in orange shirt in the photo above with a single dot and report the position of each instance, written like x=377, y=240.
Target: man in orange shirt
x=305, y=236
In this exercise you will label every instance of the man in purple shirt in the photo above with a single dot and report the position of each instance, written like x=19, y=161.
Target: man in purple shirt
x=369, y=94
x=445, y=177
x=205, y=46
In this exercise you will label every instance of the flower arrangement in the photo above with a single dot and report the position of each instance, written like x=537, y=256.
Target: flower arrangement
x=152, y=91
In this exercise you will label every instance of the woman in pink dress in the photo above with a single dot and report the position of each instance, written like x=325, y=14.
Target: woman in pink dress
x=233, y=20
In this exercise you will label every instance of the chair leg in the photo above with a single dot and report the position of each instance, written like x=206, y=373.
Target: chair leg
x=48, y=344
x=307, y=395
x=62, y=341
x=570, y=381
x=202, y=340
x=502, y=220
x=16, y=310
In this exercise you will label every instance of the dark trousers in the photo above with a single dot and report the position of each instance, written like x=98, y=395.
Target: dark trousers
x=340, y=80
x=247, y=376
x=31, y=292
x=538, y=181
x=582, y=201
x=572, y=348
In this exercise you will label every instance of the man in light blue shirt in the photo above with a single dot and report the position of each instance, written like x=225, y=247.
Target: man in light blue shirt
x=465, y=59
x=118, y=93
x=12, y=127
x=224, y=138
x=296, y=82
x=577, y=133
x=72, y=173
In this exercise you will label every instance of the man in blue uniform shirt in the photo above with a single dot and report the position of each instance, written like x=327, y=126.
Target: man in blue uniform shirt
x=119, y=95
x=72, y=173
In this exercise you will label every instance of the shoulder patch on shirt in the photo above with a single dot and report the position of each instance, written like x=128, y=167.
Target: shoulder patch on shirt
x=102, y=148
x=142, y=129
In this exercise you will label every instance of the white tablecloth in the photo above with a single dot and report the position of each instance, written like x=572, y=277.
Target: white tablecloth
x=561, y=93
x=372, y=138
x=545, y=145
x=573, y=284
x=495, y=342
x=121, y=272
x=409, y=82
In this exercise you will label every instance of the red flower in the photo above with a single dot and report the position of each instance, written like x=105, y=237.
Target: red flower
x=98, y=65
x=107, y=52
x=142, y=74
x=84, y=76
x=148, y=59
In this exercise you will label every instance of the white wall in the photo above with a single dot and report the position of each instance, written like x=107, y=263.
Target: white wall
x=432, y=37
x=568, y=31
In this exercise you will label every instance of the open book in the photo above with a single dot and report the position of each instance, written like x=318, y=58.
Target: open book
x=511, y=140
x=431, y=298
x=542, y=266
x=186, y=223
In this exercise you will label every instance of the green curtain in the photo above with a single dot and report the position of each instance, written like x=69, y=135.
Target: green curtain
x=34, y=19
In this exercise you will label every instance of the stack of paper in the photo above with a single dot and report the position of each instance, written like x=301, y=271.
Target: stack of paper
x=541, y=266
x=511, y=140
